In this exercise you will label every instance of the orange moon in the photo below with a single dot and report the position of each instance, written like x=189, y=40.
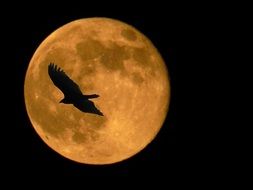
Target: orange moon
x=106, y=57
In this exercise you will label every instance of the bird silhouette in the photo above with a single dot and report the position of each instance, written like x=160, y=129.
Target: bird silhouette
x=72, y=93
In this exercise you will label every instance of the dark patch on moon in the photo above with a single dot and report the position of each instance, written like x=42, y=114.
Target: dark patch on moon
x=89, y=49
x=142, y=56
x=78, y=137
x=113, y=57
x=137, y=78
x=129, y=34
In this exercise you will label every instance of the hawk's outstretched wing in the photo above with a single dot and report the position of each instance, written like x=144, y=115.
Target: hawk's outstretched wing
x=63, y=82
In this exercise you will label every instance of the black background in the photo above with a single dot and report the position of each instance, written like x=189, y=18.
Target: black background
x=23, y=152
x=193, y=39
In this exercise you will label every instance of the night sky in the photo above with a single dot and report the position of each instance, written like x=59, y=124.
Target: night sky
x=24, y=153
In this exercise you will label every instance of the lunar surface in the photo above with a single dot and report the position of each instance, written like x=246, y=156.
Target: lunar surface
x=105, y=57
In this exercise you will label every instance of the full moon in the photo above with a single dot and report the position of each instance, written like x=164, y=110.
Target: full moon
x=105, y=57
